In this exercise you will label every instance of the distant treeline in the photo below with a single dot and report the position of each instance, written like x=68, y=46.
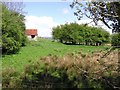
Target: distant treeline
x=74, y=33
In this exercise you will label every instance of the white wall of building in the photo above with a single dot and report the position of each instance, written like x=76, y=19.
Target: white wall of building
x=30, y=38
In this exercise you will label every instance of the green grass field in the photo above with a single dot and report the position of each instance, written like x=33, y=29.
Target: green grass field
x=43, y=47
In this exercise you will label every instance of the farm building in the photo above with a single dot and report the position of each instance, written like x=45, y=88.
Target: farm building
x=32, y=34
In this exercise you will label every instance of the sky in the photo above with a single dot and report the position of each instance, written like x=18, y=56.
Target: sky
x=43, y=16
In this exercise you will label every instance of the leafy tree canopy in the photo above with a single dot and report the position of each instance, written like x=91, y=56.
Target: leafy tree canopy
x=13, y=28
x=74, y=33
x=106, y=11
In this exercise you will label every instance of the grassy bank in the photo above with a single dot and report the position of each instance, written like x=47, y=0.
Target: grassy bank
x=43, y=47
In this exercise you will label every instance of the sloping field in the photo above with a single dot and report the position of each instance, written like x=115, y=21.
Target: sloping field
x=43, y=47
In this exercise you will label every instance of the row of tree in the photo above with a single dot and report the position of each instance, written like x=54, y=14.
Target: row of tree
x=13, y=30
x=74, y=33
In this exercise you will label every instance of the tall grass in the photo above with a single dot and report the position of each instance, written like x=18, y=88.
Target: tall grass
x=74, y=70
x=84, y=71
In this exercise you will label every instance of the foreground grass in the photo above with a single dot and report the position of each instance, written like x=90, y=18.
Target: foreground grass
x=43, y=47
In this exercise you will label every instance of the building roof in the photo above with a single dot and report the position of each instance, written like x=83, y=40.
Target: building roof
x=31, y=32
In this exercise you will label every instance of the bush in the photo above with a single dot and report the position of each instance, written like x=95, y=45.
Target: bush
x=10, y=45
x=115, y=39
x=74, y=70
x=10, y=78
x=13, y=31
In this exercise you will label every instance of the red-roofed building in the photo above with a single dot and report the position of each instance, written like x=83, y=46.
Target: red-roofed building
x=32, y=34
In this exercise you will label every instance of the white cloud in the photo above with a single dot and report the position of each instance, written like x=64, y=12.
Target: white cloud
x=65, y=11
x=43, y=24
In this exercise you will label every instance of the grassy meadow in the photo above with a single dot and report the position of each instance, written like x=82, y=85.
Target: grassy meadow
x=49, y=64
x=43, y=47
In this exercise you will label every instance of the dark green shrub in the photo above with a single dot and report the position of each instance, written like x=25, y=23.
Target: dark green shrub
x=10, y=45
x=10, y=78
x=115, y=39
x=13, y=31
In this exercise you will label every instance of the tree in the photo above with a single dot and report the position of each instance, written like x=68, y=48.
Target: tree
x=74, y=33
x=105, y=11
x=14, y=6
x=13, y=30
x=109, y=13
x=115, y=40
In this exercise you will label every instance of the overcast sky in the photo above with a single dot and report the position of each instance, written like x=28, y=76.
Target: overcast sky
x=45, y=15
